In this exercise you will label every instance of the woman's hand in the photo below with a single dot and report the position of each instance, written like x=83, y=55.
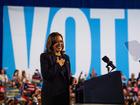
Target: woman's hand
x=60, y=61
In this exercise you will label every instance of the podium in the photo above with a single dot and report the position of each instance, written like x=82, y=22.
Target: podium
x=105, y=89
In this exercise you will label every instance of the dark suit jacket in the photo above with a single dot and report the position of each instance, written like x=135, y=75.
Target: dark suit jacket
x=56, y=79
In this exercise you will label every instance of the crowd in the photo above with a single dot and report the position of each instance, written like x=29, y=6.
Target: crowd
x=131, y=90
x=19, y=90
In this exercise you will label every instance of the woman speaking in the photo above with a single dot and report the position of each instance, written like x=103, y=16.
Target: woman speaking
x=55, y=70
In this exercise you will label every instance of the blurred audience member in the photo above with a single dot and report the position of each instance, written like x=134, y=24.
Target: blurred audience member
x=124, y=80
x=93, y=74
x=23, y=76
x=133, y=79
x=3, y=77
x=138, y=78
x=36, y=78
x=16, y=78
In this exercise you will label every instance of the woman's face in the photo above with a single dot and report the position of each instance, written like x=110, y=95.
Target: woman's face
x=2, y=71
x=58, y=46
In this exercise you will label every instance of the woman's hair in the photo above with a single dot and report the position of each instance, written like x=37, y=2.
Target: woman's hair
x=51, y=41
x=23, y=73
x=15, y=72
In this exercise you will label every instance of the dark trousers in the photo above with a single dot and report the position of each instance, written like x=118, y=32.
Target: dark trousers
x=60, y=99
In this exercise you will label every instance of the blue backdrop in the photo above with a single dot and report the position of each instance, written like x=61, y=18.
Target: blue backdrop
x=109, y=4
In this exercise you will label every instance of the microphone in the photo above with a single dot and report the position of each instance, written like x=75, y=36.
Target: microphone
x=106, y=59
x=109, y=63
